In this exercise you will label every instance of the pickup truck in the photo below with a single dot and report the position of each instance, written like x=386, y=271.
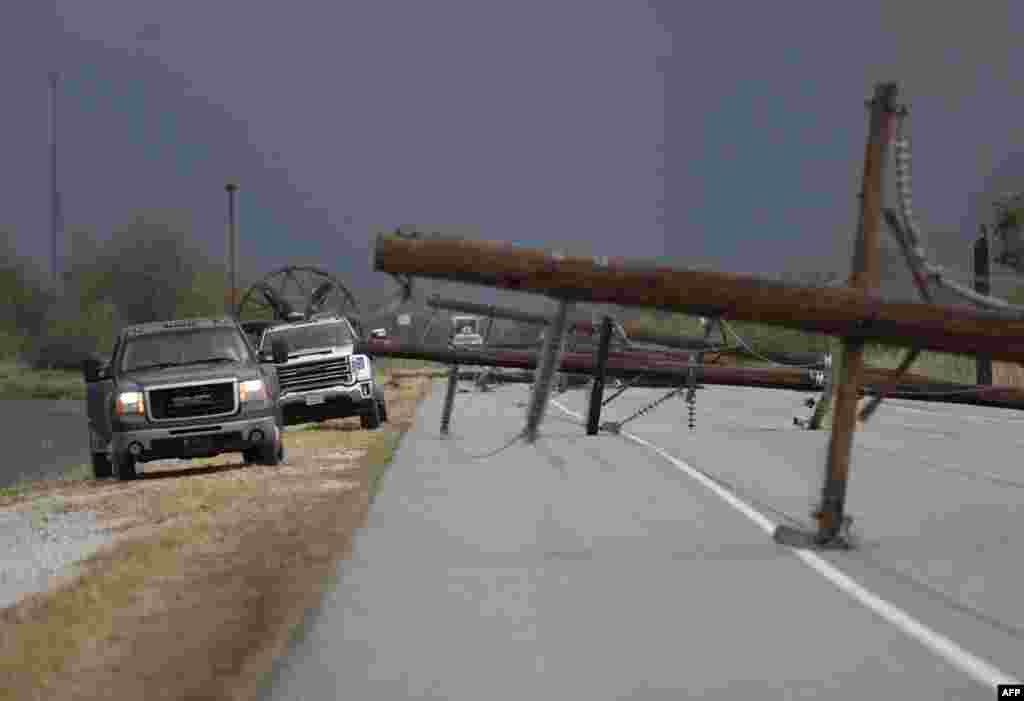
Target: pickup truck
x=466, y=333
x=182, y=389
x=322, y=376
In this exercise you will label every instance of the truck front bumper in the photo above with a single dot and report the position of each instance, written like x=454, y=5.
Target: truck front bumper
x=204, y=440
x=332, y=403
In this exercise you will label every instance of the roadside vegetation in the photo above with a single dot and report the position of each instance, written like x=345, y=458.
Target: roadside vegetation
x=213, y=569
x=941, y=367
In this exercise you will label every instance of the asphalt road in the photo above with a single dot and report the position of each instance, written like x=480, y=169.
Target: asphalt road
x=591, y=567
x=41, y=438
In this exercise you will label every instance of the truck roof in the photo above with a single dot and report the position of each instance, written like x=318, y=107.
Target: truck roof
x=154, y=327
x=314, y=320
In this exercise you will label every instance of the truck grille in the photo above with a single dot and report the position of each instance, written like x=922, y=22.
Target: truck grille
x=192, y=401
x=318, y=374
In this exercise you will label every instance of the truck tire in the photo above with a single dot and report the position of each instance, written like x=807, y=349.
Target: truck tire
x=381, y=403
x=371, y=421
x=101, y=467
x=271, y=454
x=125, y=467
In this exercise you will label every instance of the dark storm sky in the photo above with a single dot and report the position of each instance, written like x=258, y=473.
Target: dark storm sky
x=728, y=133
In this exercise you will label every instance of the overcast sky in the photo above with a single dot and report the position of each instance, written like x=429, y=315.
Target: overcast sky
x=731, y=135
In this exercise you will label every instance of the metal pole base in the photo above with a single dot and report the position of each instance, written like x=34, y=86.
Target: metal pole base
x=815, y=540
x=611, y=427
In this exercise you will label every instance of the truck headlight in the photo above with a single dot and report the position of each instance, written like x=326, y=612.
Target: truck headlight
x=252, y=391
x=361, y=365
x=130, y=404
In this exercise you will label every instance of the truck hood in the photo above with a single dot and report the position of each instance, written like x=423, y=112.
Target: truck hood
x=322, y=354
x=190, y=373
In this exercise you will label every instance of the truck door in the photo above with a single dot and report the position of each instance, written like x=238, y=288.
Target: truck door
x=99, y=398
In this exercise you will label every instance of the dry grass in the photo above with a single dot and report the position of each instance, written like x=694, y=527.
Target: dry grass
x=210, y=571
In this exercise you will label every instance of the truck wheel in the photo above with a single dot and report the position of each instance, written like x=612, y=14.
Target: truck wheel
x=371, y=421
x=101, y=467
x=382, y=407
x=124, y=466
x=273, y=454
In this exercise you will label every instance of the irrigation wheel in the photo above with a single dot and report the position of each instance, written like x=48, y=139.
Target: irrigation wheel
x=302, y=289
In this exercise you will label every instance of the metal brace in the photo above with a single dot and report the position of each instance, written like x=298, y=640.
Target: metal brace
x=623, y=388
x=616, y=426
x=691, y=392
x=823, y=379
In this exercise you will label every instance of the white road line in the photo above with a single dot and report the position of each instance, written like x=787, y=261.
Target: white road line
x=977, y=668
x=976, y=418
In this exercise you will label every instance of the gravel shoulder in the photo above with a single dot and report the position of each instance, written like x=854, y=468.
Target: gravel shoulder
x=188, y=582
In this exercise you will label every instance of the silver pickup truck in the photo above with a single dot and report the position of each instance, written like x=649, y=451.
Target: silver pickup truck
x=322, y=377
x=182, y=389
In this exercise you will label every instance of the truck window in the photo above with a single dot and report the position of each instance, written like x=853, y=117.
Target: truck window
x=183, y=346
x=302, y=338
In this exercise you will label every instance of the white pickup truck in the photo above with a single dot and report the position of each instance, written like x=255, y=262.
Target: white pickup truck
x=323, y=378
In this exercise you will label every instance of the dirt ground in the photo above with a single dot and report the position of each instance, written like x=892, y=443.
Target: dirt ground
x=212, y=568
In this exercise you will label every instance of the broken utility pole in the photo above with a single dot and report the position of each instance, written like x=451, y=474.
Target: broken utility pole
x=866, y=269
x=549, y=361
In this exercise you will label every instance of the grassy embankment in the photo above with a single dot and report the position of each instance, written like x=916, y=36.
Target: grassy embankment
x=212, y=571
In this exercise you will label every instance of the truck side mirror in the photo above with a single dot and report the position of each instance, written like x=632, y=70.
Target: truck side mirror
x=279, y=351
x=94, y=370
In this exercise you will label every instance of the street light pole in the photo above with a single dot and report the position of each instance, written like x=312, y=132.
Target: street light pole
x=55, y=218
x=232, y=250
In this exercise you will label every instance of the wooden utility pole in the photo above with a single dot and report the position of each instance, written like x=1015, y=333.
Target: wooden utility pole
x=865, y=277
x=834, y=311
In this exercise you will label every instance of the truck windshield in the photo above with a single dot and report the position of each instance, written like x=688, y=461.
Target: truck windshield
x=191, y=346
x=301, y=338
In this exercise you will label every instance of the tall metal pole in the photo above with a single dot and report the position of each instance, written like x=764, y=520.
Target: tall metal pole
x=600, y=371
x=449, y=398
x=232, y=250
x=55, y=218
x=982, y=284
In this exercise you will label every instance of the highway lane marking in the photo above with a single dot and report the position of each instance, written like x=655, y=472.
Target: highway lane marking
x=967, y=662
x=940, y=414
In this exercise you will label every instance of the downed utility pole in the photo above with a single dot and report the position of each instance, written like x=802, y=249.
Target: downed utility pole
x=659, y=372
x=627, y=364
x=487, y=310
x=628, y=332
x=549, y=362
x=836, y=311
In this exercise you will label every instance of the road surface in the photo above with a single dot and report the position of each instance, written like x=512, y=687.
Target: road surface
x=42, y=438
x=591, y=567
